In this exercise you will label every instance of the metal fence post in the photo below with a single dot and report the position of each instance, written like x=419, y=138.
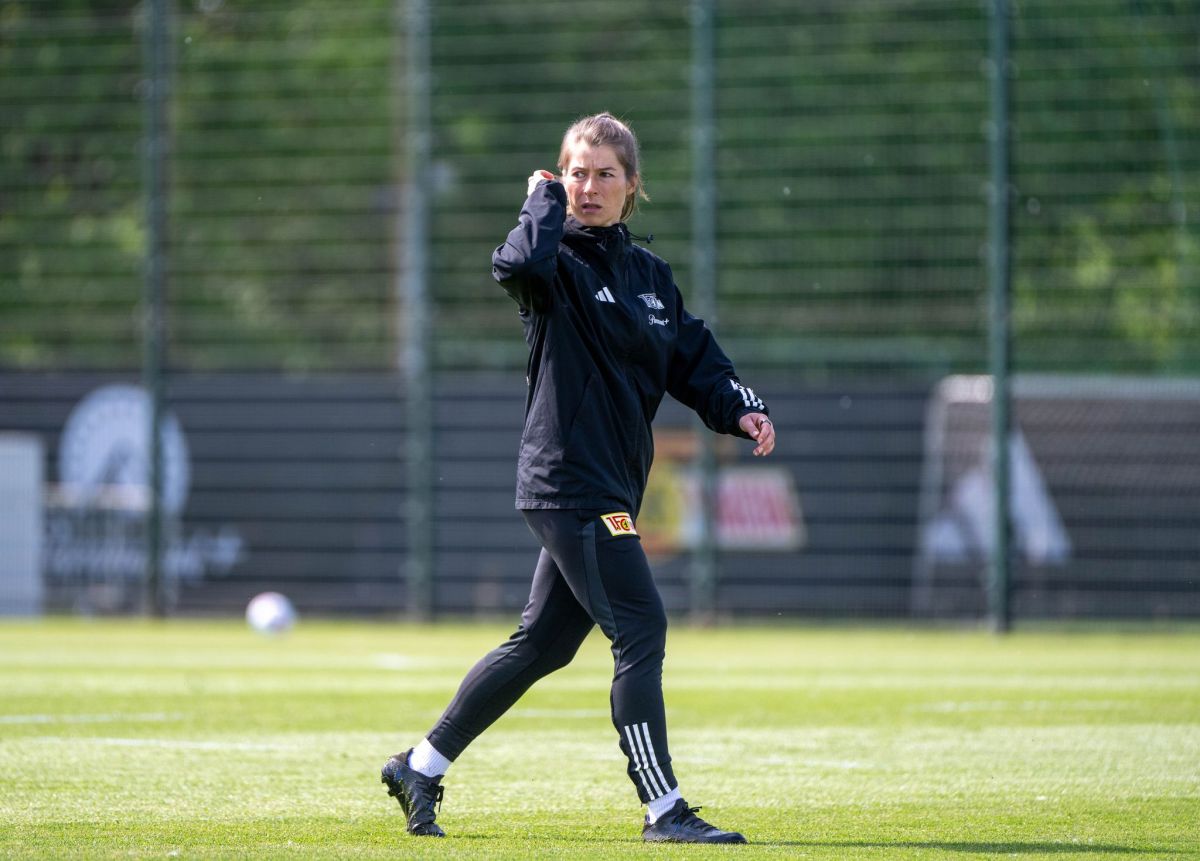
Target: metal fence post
x=704, y=563
x=999, y=285
x=413, y=301
x=156, y=143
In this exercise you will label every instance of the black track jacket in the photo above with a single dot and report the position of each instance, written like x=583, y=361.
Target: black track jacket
x=608, y=337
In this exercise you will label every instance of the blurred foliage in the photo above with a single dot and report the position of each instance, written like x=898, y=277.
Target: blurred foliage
x=281, y=177
x=1107, y=264
x=851, y=176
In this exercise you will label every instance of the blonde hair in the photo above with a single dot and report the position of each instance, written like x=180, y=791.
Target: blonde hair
x=604, y=129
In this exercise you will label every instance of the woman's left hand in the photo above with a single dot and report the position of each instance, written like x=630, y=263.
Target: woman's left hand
x=760, y=429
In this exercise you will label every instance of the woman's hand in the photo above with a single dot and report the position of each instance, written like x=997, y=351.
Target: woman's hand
x=536, y=177
x=761, y=431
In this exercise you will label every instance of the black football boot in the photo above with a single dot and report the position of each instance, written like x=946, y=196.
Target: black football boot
x=416, y=793
x=680, y=824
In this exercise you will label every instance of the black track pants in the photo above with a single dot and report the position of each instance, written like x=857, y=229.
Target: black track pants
x=584, y=576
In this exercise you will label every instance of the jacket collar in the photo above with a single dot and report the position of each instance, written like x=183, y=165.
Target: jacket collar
x=611, y=242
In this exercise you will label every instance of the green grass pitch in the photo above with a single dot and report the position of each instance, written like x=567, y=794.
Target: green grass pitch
x=124, y=739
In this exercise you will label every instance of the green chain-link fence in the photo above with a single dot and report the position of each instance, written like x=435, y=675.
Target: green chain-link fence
x=851, y=164
x=851, y=185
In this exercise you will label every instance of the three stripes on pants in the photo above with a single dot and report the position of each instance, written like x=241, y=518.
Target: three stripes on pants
x=645, y=763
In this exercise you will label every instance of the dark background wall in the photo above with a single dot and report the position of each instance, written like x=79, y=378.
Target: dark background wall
x=307, y=473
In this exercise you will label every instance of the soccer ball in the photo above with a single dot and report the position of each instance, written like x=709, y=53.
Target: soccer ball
x=270, y=613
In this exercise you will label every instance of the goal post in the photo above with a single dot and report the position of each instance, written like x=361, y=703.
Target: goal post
x=1105, y=477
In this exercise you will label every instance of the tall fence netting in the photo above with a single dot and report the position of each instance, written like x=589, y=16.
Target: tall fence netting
x=851, y=177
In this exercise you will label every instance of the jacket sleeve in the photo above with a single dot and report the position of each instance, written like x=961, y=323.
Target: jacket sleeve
x=524, y=265
x=702, y=377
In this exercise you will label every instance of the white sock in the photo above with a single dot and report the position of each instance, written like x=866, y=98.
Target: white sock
x=426, y=760
x=659, y=806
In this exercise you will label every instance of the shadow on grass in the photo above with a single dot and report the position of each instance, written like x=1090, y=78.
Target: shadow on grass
x=995, y=848
x=1017, y=848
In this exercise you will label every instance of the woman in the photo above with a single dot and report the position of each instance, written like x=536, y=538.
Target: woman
x=608, y=337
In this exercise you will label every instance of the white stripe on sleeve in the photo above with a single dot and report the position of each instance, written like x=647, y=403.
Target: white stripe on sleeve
x=749, y=399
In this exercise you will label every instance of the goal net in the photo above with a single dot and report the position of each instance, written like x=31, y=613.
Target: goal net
x=1105, y=487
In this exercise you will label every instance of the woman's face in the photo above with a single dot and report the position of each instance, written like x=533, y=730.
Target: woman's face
x=596, y=184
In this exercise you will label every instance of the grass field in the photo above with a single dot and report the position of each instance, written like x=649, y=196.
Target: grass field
x=205, y=740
